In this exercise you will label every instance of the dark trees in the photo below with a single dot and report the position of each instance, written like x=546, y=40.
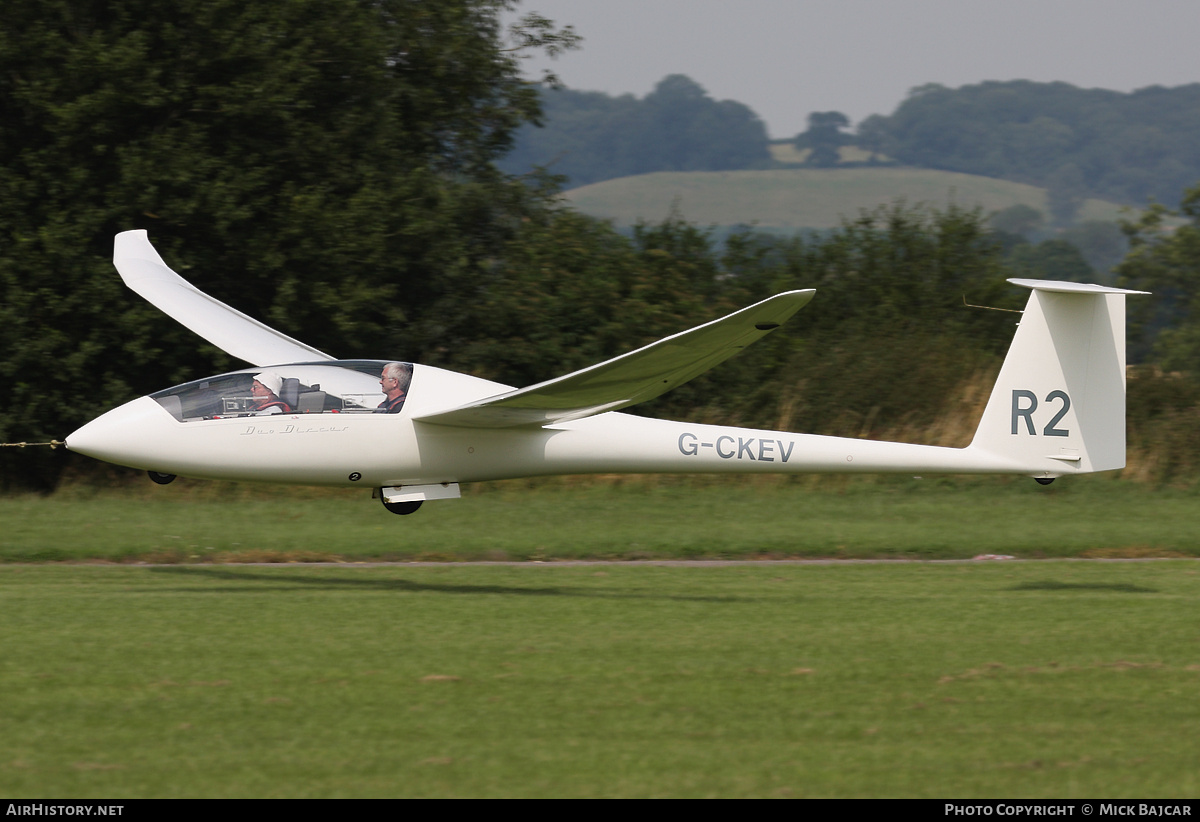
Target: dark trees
x=887, y=339
x=1166, y=262
x=1077, y=142
x=824, y=138
x=888, y=316
x=325, y=165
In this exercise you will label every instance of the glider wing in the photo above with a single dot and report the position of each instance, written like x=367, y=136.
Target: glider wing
x=241, y=336
x=630, y=378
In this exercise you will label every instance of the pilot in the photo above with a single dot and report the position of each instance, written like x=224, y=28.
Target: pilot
x=265, y=388
x=394, y=380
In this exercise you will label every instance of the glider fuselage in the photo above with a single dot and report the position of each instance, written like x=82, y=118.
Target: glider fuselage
x=355, y=447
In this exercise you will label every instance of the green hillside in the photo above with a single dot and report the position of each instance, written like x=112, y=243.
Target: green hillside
x=801, y=198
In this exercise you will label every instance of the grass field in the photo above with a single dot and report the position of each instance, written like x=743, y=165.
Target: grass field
x=786, y=152
x=666, y=518
x=1054, y=678
x=1050, y=679
x=802, y=198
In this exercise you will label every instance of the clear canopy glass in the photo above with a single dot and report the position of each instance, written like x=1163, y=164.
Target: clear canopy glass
x=329, y=387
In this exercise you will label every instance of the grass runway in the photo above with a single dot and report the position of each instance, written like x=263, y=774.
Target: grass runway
x=1053, y=678
x=1019, y=679
x=672, y=518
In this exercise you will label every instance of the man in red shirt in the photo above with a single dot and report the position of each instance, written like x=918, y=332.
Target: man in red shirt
x=394, y=380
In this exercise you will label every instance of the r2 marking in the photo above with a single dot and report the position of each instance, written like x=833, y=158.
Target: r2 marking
x=1024, y=403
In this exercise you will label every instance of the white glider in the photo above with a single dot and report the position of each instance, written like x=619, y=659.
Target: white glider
x=1057, y=408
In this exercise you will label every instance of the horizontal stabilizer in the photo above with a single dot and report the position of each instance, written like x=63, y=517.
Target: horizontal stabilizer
x=631, y=378
x=144, y=271
x=1061, y=287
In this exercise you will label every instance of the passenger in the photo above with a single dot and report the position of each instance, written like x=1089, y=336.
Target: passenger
x=266, y=389
x=394, y=380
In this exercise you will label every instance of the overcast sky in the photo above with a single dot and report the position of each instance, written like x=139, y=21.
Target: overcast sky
x=787, y=58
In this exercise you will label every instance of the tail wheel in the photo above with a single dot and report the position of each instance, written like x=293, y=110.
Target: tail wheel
x=161, y=479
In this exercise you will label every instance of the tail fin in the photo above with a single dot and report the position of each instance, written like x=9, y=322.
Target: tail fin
x=1058, y=406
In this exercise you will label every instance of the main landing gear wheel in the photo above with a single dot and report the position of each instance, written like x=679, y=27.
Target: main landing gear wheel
x=161, y=479
x=1044, y=480
x=400, y=507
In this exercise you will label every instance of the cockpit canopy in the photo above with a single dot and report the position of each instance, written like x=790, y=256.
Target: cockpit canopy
x=328, y=387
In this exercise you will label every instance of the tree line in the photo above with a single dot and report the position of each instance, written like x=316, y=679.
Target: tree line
x=587, y=137
x=1126, y=147
x=1076, y=143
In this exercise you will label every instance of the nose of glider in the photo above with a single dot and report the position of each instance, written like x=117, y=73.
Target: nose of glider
x=126, y=435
